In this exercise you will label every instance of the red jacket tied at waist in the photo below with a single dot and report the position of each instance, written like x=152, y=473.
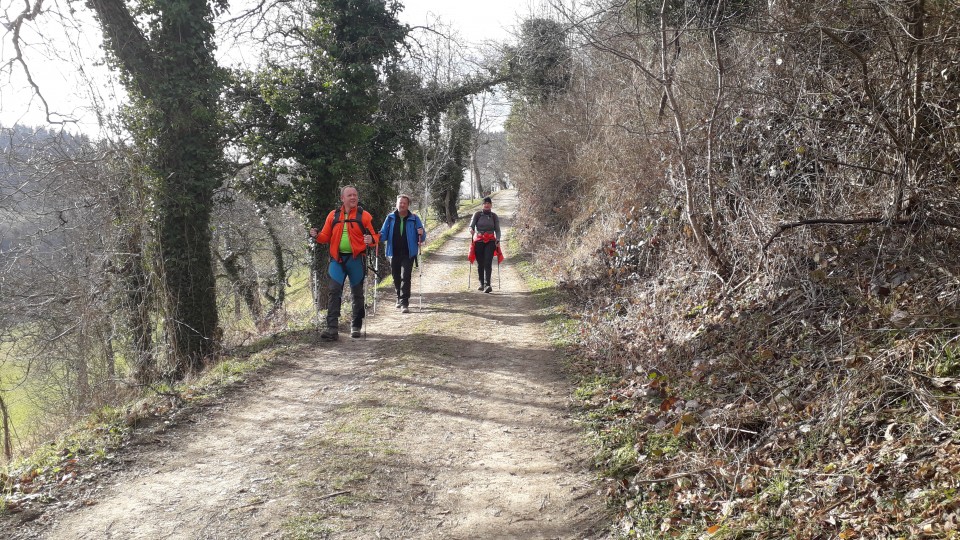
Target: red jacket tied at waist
x=485, y=237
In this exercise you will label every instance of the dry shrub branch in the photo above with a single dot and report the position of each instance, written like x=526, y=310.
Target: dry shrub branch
x=756, y=206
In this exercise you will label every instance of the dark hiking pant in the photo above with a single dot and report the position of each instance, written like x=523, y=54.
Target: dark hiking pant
x=402, y=270
x=340, y=273
x=484, y=253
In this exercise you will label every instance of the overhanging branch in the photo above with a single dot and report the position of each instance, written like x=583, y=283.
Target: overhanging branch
x=128, y=44
x=858, y=221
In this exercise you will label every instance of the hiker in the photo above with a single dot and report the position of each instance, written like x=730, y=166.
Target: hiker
x=403, y=233
x=349, y=231
x=485, y=230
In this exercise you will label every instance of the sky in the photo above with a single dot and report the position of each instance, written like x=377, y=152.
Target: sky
x=476, y=20
x=54, y=52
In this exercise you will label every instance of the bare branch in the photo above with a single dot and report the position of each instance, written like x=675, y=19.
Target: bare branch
x=127, y=43
x=855, y=221
x=29, y=13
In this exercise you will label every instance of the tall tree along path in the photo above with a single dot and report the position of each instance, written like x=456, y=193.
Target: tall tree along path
x=448, y=423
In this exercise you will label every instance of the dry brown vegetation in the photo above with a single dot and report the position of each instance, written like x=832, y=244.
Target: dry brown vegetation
x=761, y=225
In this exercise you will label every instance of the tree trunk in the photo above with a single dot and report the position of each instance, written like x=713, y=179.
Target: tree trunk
x=176, y=78
x=917, y=145
x=185, y=201
x=82, y=373
x=693, y=209
x=138, y=306
x=7, y=445
x=110, y=362
x=280, y=269
x=135, y=293
x=451, y=207
x=246, y=289
x=475, y=174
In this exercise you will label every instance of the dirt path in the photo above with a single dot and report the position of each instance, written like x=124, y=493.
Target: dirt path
x=450, y=423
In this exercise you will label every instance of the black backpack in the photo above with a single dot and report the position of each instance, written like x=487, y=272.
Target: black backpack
x=493, y=216
x=358, y=220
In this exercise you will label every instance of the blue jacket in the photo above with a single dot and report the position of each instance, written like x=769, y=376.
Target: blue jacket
x=410, y=226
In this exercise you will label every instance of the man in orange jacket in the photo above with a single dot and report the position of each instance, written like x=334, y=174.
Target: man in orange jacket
x=349, y=231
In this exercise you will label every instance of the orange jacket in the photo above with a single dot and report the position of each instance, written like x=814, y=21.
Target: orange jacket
x=334, y=231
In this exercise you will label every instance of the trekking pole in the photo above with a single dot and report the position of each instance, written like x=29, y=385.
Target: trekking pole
x=498, y=274
x=420, y=266
x=470, y=268
x=376, y=275
x=363, y=321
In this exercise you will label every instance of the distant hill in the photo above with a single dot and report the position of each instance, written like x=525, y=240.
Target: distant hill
x=29, y=175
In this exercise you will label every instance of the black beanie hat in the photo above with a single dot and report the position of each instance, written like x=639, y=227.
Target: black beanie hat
x=488, y=200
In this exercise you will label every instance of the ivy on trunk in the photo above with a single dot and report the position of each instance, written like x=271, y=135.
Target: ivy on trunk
x=169, y=69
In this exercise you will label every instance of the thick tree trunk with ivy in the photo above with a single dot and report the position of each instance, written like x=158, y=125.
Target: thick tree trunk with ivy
x=138, y=306
x=135, y=292
x=456, y=138
x=175, y=82
x=185, y=201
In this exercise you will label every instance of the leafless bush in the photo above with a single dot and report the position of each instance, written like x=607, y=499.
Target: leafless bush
x=58, y=327
x=816, y=148
x=259, y=248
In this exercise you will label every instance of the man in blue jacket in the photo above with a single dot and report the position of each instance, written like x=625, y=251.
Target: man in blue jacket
x=403, y=233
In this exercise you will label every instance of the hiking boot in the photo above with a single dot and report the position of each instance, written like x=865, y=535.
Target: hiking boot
x=488, y=289
x=481, y=287
x=404, y=309
x=399, y=303
x=354, y=332
x=330, y=334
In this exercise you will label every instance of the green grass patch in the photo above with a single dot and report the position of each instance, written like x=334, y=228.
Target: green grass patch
x=560, y=326
x=469, y=205
x=231, y=370
x=16, y=388
x=307, y=527
x=30, y=378
x=101, y=433
x=947, y=360
x=594, y=385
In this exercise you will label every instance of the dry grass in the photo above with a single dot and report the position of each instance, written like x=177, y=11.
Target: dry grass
x=810, y=393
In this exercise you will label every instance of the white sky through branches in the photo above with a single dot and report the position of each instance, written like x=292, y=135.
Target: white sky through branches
x=65, y=57
x=476, y=20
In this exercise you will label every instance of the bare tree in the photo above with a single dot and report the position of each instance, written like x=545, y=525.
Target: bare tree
x=59, y=273
x=257, y=247
x=662, y=47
